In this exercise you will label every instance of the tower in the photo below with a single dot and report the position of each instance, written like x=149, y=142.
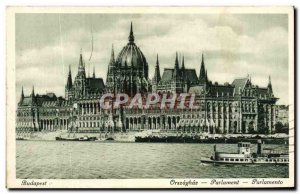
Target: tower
x=203, y=72
x=156, y=79
x=22, y=97
x=176, y=68
x=110, y=72
x=183, y=68
x=270, y=89
x=68, y=89
x=176, y=85
x=185, y=80
x=32, y=95
x=80, y=82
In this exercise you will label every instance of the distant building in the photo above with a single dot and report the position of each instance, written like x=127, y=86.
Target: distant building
x=239, y=107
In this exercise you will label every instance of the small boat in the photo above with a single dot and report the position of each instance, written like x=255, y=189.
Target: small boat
x=20, y=138
x=244, y=156
x=109, y=139
x=86, y=138
x=66, y=139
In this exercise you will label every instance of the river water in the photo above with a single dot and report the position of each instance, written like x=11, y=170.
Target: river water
x=110, y=160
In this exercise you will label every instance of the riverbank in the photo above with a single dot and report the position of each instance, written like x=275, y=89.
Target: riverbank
x=195, y=139
x=158, y=137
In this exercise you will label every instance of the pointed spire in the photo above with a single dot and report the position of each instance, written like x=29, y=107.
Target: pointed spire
x=94, y=75
x=206, y=77
x=202, y=75
x=131, y=36
x=176, y=68
x=183, y=67
x=176, y=61
x=81, y=64
x=157, y=77
x=183, y=75
x=69, y=80
x=112, y=60
x=270, y=90
x=32, y=93
x=22, y=94
x=22, y=97
x=112, y=56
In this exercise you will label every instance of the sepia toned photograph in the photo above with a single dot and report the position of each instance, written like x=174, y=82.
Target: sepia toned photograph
x=173, y=97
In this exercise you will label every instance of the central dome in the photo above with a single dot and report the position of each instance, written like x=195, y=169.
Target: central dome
x=131, y=55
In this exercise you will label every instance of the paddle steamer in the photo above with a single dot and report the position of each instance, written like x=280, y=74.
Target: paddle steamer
x=244, y=156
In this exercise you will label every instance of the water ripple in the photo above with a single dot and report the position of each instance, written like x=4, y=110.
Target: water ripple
x=95, y=160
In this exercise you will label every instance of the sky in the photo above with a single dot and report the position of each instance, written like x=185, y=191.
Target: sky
x=234, y=46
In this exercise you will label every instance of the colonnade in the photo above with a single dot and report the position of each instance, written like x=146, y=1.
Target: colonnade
x=54, y=124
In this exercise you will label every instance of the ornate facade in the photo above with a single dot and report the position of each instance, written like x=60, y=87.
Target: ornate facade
x=239, y=107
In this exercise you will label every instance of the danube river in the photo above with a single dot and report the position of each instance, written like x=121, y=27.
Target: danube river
x=107, y=160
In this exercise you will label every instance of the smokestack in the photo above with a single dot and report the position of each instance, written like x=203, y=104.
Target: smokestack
x=259, y=148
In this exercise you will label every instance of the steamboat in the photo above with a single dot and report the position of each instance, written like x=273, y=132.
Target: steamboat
x=244, y=156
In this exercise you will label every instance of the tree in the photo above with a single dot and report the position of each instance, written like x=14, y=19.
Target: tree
x=261, y=128
x=251, y=128
x=280, y=128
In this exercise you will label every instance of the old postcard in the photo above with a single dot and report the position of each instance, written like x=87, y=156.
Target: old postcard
x=150, y=97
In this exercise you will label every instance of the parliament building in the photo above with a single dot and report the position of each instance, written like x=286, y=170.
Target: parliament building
x=233, y=108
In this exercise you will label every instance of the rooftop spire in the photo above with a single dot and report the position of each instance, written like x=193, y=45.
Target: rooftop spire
x=94, y=75
x=112, y=56
x=176, y=61
x=32, y=93
x=69, y=81
x=131, y=37
x=22, y=96
x=183, y=74
x=202, y=74
x=270, y=84
x=22, y=93
x=270, y=87
x=112, y=60
x=176, y=68
x=157, y=77
x=81, y=65
x=183, y=67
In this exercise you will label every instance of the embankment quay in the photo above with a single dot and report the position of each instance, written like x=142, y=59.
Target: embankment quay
x=160, y=137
